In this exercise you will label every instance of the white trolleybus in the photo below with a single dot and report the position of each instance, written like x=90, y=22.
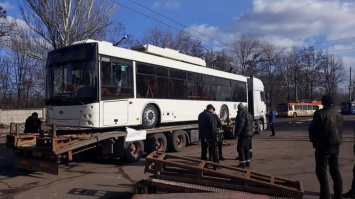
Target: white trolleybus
x=98, y=85
x=129, y=101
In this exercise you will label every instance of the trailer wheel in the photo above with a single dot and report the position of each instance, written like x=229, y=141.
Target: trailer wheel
x=176, y=141
x=134, y=151
x=156, y=142
x=224, y=113
x=149, y=117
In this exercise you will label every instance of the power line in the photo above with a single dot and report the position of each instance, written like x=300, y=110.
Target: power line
x=328, y=41
x=179, y=23
x=163, y=23
x=311, y=44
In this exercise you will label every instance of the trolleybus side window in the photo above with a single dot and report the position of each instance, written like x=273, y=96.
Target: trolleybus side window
x=116, y=79
x=167, y=83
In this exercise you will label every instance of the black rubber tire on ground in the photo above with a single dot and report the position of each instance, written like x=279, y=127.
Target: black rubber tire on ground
x=134, y=151
x=294, y=115
x=150, y=116
x=156, y=142
x=177, y=141
x=224, y=113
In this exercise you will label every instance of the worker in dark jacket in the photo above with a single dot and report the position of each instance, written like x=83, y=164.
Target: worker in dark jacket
x=325, y=133
x=219, y=143
x=33, y=124
x=244, y=131
x=351, y=192
x=207, y=125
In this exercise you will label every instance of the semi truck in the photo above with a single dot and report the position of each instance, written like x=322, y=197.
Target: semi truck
x=122, y=103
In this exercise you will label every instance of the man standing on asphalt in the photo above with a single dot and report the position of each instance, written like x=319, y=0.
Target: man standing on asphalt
x=207, y=126
x=272, y=119
x=325, y=133
x=351, y=192
x=244, y=131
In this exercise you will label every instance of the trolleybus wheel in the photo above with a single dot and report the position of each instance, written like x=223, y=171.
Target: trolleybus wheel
x=149, y=117
x=134, y=151
x=294, y=115
x=176, y=141
x=156, y=142
x=224, y=113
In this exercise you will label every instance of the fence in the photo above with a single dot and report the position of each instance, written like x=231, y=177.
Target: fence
x=18, y=116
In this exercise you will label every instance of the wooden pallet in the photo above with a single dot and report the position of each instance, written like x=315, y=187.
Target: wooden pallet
x=188, y=170
x=19, y=140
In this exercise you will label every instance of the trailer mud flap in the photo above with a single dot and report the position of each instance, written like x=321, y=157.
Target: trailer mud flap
x=36, y=165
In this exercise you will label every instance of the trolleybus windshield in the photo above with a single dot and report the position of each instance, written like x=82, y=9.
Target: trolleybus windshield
x=72, y=75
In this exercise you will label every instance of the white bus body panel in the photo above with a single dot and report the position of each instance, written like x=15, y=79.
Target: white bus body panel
x=170, y=110
x=129, y=112
x=78, y=115
x=115, y=113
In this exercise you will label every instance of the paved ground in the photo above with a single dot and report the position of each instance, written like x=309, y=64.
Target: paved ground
x=288, y=155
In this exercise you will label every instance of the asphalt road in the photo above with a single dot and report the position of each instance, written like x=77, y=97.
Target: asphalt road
x=288, y=155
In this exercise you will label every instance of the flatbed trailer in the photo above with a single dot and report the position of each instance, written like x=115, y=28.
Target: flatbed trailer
x=45, y=153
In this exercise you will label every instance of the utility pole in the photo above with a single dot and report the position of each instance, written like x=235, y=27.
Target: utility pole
x=350, y=86
x=296, y=94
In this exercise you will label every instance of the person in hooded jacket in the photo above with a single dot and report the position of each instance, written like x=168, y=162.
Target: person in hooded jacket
x=325, y=133
x=243, y=129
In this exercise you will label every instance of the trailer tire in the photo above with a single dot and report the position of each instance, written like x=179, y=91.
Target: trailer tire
x=134, y=151
x=156, y=142
x=176, y=141
x=150, y=116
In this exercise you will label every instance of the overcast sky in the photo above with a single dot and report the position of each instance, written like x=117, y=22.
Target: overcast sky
x=326, y=24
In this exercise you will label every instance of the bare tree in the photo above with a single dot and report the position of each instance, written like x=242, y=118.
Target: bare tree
x=26, y=73
x=309, y=72
x=62, y=22
x=218, y=59
x=333, y=73
x=5, y=82
x=246, y=51
x=6, y=27
x=165, y=38
x=270, y=69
